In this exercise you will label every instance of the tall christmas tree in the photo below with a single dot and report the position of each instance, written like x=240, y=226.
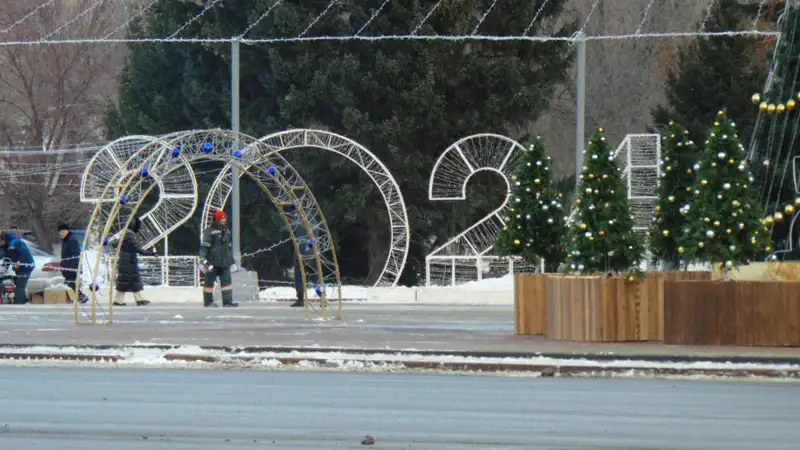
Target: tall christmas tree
x=603, y=239
x=674, y=191
x=725, y=221
x=535, y=225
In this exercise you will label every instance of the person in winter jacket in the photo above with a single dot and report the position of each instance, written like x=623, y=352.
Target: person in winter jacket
x=23, y=264
x=70, y=258
x=216, y=253
x=128, y=277
x=306, y=251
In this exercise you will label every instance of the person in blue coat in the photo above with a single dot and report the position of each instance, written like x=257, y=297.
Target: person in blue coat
x=20, y=255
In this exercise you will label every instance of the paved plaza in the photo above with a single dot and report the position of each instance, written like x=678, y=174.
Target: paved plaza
x=441, y=328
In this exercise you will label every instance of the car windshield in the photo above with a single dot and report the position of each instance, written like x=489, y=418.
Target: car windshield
x=35, y=251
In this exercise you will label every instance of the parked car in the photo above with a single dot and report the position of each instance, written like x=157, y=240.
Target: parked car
x=47, y=271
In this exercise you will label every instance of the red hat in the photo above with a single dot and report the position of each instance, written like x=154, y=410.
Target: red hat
x=219, y=215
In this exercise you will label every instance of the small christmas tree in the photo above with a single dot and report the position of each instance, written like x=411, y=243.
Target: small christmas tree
x=674, y=191
x=535, y=225
x=603, y=239
x=725, y=221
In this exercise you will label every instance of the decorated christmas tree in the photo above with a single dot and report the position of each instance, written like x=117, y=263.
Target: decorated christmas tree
x=725, y=219
x=535, y=223
x=679, y=154
x=603, y=238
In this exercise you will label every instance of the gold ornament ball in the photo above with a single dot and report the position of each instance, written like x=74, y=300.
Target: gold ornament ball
x=647, y=234
x=602, y=233
x=716, y=223
x=707, y=220
x=778, y=217
x=671, y=198
x=516, y=242
x=729, y=231
x=665, y=233
x=791, y=104
x=658, y=209
x=583, y=226
x=771, y=108
x=689, y=171
x=756, y=98
x=780, y=108
x=601, y=130
x=789, y=210
x=669, y=168
x=763, y=106
x=537, y=181
x=768, y=248
x=704, y=182
x=591, y=176
x=507, y=219
x=514, y=177
x=681, y=250
x=716, y=124
x=731, y=162
x=720, y=113
x=768, y=221
x=505, y=228
x=701, y=244
x=797, y=202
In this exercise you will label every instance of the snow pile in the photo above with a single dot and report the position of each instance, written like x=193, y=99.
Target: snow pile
x=197, y=357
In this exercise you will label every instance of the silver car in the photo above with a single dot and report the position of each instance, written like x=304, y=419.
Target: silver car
x=47, y=271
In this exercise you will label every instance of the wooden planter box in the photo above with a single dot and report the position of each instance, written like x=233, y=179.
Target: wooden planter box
x=599, y=309
x=530, y=312
x=749, y=313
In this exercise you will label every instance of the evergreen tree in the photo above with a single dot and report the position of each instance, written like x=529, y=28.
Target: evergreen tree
x=725, y=221
x=603, y=238
x=679, y=154
x=775, y=134
x=535, y=223
x=712, y=71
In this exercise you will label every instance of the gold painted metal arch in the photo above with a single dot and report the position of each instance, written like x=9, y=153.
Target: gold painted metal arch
x=155, y=159
x=219, y=195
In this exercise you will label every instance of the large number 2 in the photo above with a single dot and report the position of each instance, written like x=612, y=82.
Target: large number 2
x=470, y=155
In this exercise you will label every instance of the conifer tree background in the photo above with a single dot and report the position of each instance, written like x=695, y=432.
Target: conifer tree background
x=603, y=239
x=536, y=223
x=679, y=155
x=725, y=219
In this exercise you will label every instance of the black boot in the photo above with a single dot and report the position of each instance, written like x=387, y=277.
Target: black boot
x=299, y=303
x=208, y=300
x=227, y=299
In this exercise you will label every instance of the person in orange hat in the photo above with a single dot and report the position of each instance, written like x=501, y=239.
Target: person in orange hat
x=216, y=253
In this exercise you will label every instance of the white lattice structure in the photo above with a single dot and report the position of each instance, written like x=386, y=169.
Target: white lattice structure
x=177, y=190
x=323, y=140
x=468, y=256
x=639, y=157
x=121, y=198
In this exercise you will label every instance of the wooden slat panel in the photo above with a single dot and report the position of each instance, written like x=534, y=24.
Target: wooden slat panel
x=745, y=313
x=530, y=314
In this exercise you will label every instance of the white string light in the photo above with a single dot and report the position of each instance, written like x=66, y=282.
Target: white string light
x=425, y=19
x=644, y=17
x=535, y=16
x=131, y=19
x=26, y=16
x=74, y=19
x=314, y=22
x=710, y=7
x=194, y=19
x=589, y=16
x=374, y=15
x=263, y=16
x=491, y=7
x=758, y=14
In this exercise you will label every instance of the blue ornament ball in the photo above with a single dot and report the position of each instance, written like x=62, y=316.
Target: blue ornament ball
x=237, y=154
x=175, y=152
x=144, y=172
x=271, y=171
x=318, y=290
x=207, y=147
x=123, y=199
x=94, y=287
x=105, y=241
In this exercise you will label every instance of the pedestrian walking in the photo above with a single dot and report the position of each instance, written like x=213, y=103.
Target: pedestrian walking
x=129, y=279
x=216, y=253
x=23, y=264
x=70, y=259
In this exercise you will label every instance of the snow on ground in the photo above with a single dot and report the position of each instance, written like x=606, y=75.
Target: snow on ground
x=494, y=291
x=144, y=357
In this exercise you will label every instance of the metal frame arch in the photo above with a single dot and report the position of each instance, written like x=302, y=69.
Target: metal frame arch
x=157, y=223
x=154, y=162
x=378, y=173
x=220, y=193
x=467, y=168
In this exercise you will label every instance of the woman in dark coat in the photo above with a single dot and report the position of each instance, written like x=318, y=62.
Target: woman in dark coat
x=128, y=277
